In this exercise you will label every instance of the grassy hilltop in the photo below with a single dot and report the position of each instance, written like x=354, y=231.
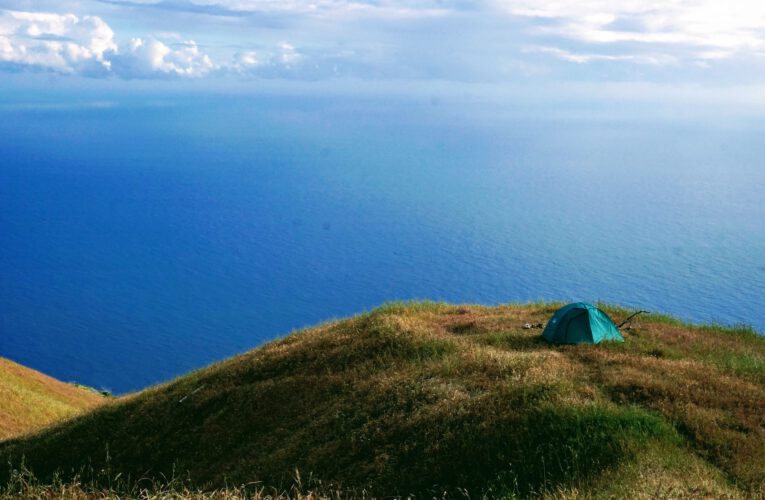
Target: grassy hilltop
x=428, y=398
x=30, y=400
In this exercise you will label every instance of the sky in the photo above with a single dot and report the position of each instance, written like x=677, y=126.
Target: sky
x=713, y=49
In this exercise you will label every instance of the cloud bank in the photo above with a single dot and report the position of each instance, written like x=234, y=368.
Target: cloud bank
x=482, y=40
x=151, y=57
x=700, y=29
x=69, y=44
x=63, y=43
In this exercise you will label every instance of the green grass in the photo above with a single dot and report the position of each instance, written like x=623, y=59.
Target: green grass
x=426, y=398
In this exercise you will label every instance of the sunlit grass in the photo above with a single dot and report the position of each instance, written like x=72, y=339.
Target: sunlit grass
x=30, y=400
x=428, y=398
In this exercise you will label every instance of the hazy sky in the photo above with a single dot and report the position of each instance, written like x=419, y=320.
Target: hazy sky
x=709, y=48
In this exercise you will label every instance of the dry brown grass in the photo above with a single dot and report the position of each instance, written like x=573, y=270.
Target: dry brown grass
x=30, y=400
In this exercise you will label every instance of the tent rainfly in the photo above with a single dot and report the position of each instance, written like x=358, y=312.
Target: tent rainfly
x=581, y=323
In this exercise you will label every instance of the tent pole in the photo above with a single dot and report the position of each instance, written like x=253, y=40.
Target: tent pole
x=630, y=317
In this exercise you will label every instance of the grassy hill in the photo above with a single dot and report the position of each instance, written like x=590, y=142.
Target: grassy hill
x=425, y=398
x=30, y=400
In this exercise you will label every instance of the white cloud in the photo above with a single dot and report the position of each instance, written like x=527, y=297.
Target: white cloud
x=145, y=58
x=289, y=55
x=710, y=29
x=282, y=60
x=66, y=43
x=245, y=61
x=319, y=8
x=86, y=45
x=61, y=42
x=583, y=58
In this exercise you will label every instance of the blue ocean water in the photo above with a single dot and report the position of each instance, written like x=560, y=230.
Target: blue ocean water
x=139, y=241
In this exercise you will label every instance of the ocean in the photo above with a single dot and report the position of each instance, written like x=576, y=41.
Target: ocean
x=141, y=239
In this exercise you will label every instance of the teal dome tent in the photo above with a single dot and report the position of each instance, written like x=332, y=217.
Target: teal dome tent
x=581, y=323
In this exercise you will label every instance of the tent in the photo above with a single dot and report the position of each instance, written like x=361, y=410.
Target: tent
x=581, y=323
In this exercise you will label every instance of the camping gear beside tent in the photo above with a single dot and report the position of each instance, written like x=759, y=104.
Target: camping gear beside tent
x=629, y=318
x=581, y=323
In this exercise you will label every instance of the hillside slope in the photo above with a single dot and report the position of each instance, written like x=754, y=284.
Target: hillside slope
x=30, y=400
x=424, y=398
